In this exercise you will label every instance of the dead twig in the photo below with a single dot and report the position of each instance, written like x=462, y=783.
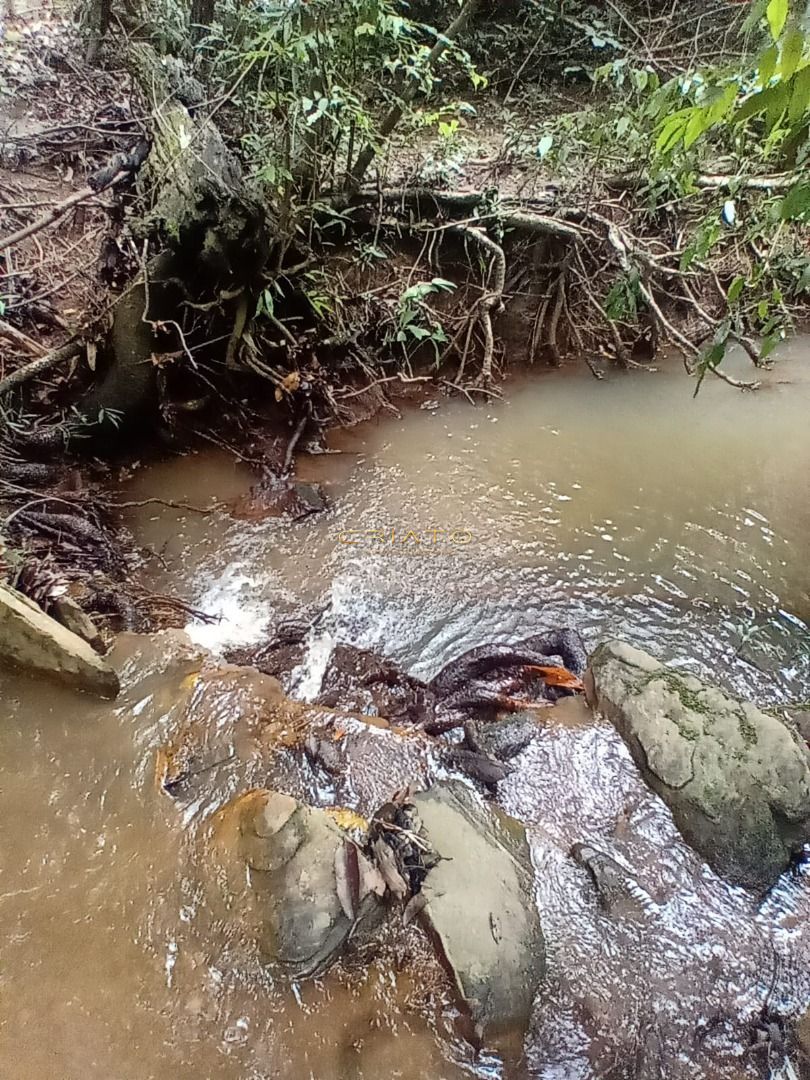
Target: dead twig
x=39, y=366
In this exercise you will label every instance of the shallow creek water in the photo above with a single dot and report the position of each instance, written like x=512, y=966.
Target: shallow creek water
x=624, y=508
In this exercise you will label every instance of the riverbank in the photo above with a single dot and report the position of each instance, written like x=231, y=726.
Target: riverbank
x=479, y=255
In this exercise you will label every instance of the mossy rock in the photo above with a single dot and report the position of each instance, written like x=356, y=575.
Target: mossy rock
x=736, y=779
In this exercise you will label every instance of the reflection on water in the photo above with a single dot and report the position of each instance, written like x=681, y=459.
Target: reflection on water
x=621, y=507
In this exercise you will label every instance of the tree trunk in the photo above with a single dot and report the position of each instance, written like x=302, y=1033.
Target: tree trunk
x=213, y=235
x=198, y=201
x=202, y=15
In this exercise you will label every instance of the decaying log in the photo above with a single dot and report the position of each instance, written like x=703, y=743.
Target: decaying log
x=197, y=199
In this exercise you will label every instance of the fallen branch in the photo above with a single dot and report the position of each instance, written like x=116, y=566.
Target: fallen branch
x=750, y=183
x=21, y=339
x=712, y=181
x=121, y=167
x=42, y=364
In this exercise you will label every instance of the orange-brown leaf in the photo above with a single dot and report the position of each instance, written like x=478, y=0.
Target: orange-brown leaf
x=558, y=676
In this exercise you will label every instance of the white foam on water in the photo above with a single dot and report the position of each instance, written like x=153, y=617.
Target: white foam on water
x=242, y=617
x=307, y=678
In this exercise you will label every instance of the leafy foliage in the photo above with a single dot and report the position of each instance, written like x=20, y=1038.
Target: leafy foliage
x=316, y=79
x=416, y=323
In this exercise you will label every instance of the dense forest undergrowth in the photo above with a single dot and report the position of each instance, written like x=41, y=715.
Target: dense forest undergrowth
x=247, y=222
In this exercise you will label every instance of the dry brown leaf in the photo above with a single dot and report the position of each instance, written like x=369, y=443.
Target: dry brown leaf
x=387, y=866
x=417, y=903
x=558, y=676
x=347, y=878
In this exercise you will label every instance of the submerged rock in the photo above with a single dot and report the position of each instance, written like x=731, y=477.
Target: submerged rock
x=620, y=894
x=736, y=779
x=35, y=642
x=310, y=885
x=479, y=906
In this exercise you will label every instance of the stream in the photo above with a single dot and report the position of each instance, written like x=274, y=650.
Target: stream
x=625, y=508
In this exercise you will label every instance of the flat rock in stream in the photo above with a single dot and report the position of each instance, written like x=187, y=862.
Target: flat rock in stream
x=480, y=906
x=34, y=641
x=310, y=885
x=736, y=779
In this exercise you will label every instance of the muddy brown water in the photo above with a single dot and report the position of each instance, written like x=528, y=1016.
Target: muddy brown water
x=622, y=507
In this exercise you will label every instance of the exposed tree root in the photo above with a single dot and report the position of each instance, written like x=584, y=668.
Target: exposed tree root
x=491, y=300
x=596, y=251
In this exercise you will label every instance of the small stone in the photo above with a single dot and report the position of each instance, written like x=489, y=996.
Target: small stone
x=66, y=611
x=309, y=883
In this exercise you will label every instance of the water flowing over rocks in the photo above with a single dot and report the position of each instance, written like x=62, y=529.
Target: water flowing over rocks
x=35, y=642
x=736, y=779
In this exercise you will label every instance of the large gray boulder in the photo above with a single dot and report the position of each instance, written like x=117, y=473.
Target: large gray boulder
x=34, y=641
x=480, y=907
x=736, y=779
x=310, y=885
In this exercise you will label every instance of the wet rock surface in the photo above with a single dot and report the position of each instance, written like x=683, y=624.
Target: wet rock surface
x=479, y=906
x=310, y=885
x=621, y=900
x=35, y=642
x=736, y=779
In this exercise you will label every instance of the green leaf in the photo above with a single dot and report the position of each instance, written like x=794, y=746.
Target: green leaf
x=767, y=65
x=777, y=105
x=695, y=128
x=443, y=283
x=735, y=289
x=544, y=146
x=769, y=343
x=796, y=204
x=419, y=332
x=721, y=105
x=792, y=49
x=800, y=98
x=754, y=15
x=776, y=13
x=771, y=100
x=715, y=355
x=672, y=130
